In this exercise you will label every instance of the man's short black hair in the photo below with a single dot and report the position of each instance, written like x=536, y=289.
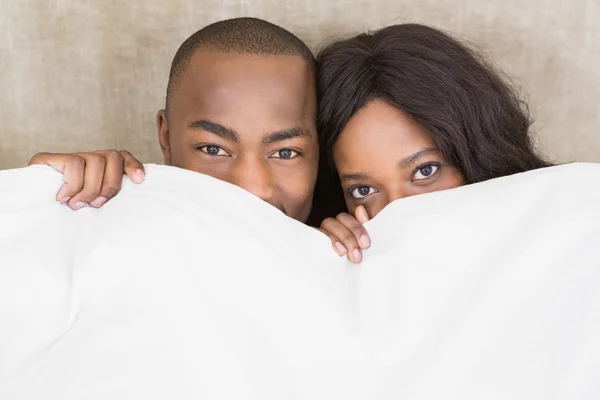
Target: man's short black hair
x=241, y=36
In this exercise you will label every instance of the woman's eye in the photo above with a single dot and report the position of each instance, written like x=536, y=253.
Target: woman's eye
x=285, y=154
x=425, y=172
x=213, y=150
x=360, y=192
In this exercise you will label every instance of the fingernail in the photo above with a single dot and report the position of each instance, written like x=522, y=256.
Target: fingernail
x=65, y=199
x=340, y=247
x=357, y=255
x=364, y=241
x=139, y=176
x=78, y=205
x=98, y=201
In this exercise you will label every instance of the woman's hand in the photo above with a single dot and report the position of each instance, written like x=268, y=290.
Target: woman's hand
x=347, y=234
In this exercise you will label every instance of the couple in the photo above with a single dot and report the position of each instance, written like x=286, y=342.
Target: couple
x=402, y=111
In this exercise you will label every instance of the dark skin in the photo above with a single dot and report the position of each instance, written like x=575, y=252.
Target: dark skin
x=382, y=155
x=246, y=119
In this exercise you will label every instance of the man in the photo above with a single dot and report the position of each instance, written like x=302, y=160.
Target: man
x=241, y=107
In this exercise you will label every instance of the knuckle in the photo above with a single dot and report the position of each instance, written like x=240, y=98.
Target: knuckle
x=88, y=194
x=359, y=230
x=110, y=187
x=77, y=161
x=349, y=238
x=126, y=154
x=37, y=158
x=109, y=191
x=75, y=186
x=332, y=237
x=114, y=154
x=96, y=158
x=344, y=218
x=114, y=157
x=327, y=222
x=349, y=221
x=130, y=161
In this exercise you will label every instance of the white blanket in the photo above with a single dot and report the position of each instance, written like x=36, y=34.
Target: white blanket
x=185, y=287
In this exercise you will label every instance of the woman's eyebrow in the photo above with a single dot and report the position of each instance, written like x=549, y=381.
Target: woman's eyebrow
x=354, y=177
x=413, y=159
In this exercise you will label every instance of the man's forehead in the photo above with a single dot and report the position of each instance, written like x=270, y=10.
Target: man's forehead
x=215, y=69
x=273, y=86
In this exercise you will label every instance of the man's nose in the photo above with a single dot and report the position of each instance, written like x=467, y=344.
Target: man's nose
x=254, y=176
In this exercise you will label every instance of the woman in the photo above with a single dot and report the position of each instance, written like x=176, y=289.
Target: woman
x=404, y=111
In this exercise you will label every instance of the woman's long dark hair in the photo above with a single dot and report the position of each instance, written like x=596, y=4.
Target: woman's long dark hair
x=475, y=119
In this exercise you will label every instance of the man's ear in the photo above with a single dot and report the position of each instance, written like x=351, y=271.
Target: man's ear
x=164, y=137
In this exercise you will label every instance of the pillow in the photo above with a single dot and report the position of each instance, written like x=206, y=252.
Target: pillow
x=187, y=287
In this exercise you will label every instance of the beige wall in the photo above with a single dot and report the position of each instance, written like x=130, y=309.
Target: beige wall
x=89, y=74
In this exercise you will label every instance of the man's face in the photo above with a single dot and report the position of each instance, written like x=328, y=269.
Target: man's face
x=248, y=120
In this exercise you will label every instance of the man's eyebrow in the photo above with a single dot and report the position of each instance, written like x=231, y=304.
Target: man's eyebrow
x=285, y=134
x=413, y=159
x=217, y=129
x=354, y=177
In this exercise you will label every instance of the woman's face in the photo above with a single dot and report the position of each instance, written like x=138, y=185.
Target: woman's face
x=383, y=155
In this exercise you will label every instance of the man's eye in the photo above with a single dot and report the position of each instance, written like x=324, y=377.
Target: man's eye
x=425, y=171
x=213, y=150
x=362, y=191
x=285, y=154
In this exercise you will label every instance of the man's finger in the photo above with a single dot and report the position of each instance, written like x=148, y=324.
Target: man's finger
x=133, y=168
x=73, y=174
x=92, y=180
x=71, y=166
x=112, y=180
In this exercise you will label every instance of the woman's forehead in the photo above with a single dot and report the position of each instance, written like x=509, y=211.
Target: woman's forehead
x=377, y=129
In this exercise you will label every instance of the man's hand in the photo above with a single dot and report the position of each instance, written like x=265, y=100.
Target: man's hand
x=91, y=178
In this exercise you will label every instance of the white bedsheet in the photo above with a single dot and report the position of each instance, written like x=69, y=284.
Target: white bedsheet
x=186, y=287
